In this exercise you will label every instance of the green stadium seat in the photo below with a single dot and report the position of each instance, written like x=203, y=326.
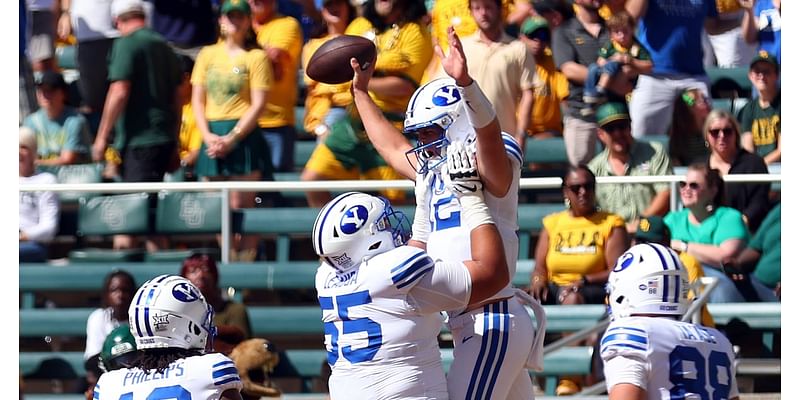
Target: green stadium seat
x=189, y=213
x=546, y=151
x=302, y=152
x=529, y=217
x=67, y=57
x=725, y=104
x=77, y=173
x=125, y=214
x=729, y=82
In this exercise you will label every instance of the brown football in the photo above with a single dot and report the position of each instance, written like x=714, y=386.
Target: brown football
x=331, y=62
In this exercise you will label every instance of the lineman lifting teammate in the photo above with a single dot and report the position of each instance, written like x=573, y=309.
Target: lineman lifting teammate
x=381, y=298
x=487, y=337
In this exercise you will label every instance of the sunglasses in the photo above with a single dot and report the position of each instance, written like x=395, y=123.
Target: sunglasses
x=616, y=126
x=541, y=34
x=692, y=185
x=726, y=132
x=589, y=187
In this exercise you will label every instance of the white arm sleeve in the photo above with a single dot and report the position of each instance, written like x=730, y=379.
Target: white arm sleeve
x=621, y=369
x=447, y=287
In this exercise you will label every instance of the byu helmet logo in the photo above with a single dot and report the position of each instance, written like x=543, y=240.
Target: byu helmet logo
x=624, y=262
x=446, y=95
x=185, y=293
x=353, y=219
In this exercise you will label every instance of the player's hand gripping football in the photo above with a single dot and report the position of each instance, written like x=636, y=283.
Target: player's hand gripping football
x=461, y=175
x=361, y=74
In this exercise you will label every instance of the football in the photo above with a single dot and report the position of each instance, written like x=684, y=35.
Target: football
x=331, y=62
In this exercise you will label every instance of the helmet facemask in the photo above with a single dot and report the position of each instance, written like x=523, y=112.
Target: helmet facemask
x=436, y=104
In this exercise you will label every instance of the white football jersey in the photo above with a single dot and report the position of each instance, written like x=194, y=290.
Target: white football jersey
x=197, y=378
x=380, y=342
x=669, y=359
x=450, y=241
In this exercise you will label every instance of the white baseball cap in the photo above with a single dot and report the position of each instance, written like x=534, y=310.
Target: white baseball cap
x=120, y=7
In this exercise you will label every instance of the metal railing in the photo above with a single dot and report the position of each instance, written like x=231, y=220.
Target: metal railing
x=225, y=187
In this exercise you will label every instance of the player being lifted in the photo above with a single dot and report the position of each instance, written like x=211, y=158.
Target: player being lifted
x=648, y=354
x=381, y=299
x=171, y=322
x=489, y=337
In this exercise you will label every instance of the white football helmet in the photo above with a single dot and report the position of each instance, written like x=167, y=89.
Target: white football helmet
x=648, y=279
x=169, y=311
x=356, y=226
x=437, y=103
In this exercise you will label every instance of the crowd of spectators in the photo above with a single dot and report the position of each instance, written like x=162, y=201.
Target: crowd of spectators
x=210, y=89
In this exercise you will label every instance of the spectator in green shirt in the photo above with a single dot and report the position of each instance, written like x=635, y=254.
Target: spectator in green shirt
x=626, y=156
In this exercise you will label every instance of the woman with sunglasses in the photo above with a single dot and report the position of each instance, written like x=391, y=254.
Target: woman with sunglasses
x=576, y=250
x=578, y=246
x=723, y=136
x=707, y=230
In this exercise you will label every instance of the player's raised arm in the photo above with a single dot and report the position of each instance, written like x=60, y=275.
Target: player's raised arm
x=487, y=268
x=493, y=164
x=390, y=143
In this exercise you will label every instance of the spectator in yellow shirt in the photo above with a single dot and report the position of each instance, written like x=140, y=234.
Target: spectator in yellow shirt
x=282, y=40
x=320, y=97
x=550, y=86
x=404, y=51
x=189, y=137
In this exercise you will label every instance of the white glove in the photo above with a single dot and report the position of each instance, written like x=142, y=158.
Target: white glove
x=461, y=175
x=461, y=178
x=421, y=228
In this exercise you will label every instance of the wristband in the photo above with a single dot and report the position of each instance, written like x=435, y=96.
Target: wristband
x=474, y=211
x=479, y=109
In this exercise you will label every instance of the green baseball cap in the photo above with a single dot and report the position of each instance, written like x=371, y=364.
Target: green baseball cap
x=235, y=5
x=764, y=56
x=533, y=24
x=652, y=229
x=610, y=112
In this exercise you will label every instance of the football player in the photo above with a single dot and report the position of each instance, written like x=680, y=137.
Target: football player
x=171, y=323
x=381, y=299
x=441, y=112
x=648, y=354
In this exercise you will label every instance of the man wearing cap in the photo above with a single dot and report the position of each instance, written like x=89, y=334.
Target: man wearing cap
x=550, y=86
x=625, y=156
x=38, y=211
x=760, y=118
x=62, y=133
x=142, y=101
